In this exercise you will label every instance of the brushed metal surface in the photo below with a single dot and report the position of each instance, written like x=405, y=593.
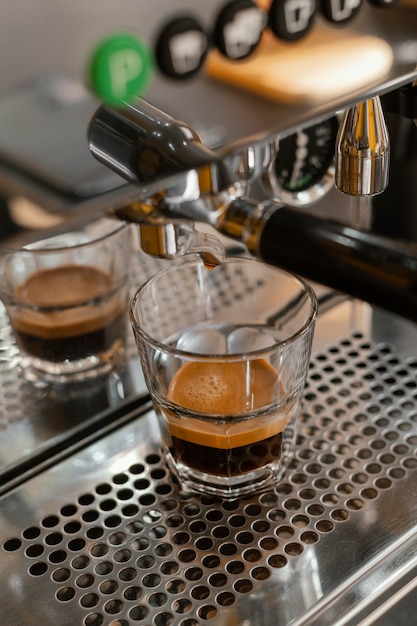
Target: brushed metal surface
x=106, y=537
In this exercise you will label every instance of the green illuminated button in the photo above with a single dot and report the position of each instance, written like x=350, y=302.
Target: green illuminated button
x=121, y=68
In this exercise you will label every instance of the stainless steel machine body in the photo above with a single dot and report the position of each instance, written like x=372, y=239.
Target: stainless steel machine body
x=239, y=125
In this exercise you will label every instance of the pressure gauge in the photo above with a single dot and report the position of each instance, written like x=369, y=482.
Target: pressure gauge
x=303, y=168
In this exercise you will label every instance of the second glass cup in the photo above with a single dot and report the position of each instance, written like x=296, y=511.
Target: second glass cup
x=225, y=355
x=66, y=298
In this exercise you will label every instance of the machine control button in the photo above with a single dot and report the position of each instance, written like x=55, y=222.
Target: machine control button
x=291, y=19
x=181, y=48
x=238, y=29
x=120, y=68
x=340, y=11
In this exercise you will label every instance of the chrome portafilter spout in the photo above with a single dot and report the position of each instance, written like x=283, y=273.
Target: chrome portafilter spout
x=363, y=150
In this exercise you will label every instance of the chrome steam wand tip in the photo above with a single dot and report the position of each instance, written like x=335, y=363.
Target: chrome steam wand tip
x=362, y=150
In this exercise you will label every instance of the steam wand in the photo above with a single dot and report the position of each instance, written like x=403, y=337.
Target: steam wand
x=363, y=150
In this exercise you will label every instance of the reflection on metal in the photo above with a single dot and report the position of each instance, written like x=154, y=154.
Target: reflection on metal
x=168, y=240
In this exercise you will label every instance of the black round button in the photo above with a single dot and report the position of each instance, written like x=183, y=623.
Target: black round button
x=291, y=19
x=181, y=48
x=238, y=29
x=340, y=11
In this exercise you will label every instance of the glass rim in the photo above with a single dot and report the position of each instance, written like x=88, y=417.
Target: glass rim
x=119, y=227
x=159, y=345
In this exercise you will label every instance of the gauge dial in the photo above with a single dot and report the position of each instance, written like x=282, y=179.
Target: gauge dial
x=303, y=169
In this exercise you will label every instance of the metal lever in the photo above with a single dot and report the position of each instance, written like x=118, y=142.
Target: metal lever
x=362, y=150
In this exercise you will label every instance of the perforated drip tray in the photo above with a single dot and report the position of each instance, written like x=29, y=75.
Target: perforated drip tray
x=106, y=537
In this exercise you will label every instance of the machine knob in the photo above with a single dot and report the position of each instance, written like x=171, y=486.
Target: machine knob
x=291, y=19
x=181, y=48
x=238, y=29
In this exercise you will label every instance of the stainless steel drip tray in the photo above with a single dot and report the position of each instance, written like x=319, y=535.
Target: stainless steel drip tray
x=105, y=537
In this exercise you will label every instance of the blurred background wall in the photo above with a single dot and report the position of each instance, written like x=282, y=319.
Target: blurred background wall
x=43, y=36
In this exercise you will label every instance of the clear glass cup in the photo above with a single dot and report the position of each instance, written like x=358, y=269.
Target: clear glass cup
x=67, y=301
x=225, y=355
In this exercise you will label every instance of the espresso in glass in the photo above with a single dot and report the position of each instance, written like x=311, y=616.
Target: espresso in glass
x=229, y=443
x=223, y=418
x=68, y=313
x=225, y=354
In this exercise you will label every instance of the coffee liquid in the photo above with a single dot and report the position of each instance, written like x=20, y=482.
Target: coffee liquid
x=227, y=444
x=69, y=312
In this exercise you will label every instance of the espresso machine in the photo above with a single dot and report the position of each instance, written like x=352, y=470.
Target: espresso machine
x=295, y=145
